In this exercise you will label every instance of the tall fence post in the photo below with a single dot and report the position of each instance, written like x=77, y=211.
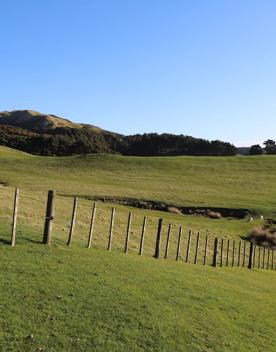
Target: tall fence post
x=91, y=226
x=188, y=246
x=179, y=243
x=14, y=221
x=227, y=252
x=250, y=262
x=50, y=208
x=196, y=250
x=158, y=239
x=254, y=256
x=268, y=258
x=168, y=241
x=263, y=258
x=239, y=254
x=143, y=236
x=215, y=252
x=221, y=253
x=111, y=229
x=272, y=259
x=205, y=250
x=259, y=257
x=233, y=254
x=244, y=253
x=73, y=221
x=128, y=231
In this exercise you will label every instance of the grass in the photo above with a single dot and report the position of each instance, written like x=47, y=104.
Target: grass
x=75, y=299
x=91, y=300
x=239, y=182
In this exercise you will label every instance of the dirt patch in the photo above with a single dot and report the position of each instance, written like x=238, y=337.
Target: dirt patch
x=4, y=183
x=264, y=236
x=210, y=212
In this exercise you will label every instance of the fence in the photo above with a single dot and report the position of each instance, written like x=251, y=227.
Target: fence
x=190, y=247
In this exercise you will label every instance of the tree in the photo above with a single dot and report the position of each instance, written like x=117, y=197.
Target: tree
x=256, y=150
x=270, y=146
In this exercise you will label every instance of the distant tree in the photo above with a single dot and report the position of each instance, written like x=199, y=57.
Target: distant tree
x=256, y=150
x=270, y=146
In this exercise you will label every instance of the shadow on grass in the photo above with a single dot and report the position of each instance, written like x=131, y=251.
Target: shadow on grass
x=4, y=241
x=30, y=240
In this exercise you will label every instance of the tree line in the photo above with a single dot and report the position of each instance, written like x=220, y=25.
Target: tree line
x=269, y=148
x=65, y=141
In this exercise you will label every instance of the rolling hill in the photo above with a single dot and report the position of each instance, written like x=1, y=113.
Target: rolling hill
x=74, y=299
x=38, y=122
x=44, y=134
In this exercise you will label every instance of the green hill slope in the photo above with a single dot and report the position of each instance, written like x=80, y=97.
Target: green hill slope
x=74, y=299
x=239, y=182
x=59, y=299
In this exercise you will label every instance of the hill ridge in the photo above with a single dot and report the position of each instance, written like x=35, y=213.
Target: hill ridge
x=48, y=134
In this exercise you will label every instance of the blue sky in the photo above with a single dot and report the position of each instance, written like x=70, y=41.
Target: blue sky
x=197, y=67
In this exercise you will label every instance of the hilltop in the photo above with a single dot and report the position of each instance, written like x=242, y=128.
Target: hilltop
x=47, y=134
x=38, y=122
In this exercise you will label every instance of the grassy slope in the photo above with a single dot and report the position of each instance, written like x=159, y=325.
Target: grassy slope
x=109, y=301
x=230, y=182
x=212, y=181
x=90, y=300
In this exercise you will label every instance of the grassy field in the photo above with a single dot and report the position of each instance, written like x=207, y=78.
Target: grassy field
x=239, y=182
x=229, y=182
x=75, y=299
x=60, y=299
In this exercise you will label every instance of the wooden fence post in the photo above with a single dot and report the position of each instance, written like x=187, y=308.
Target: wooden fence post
x=233, y=254
x=128, y=231
x=227, y=252
x=259, y=257
x=244, y=253
x=14, y=221
x=268, y=257
x=188, y=246
x=158, y=239
x=250, y=261
x=179, y=244
x=91, y=226
x=272, y=259
x=73, y=221
x=168, y=241
x=143, y=236
x=205, y=250
x=50, y=208
x=196, y=250
x=221, y=253
x=254, y=255
x=111, y=229
x=215, y=252
x=263, y=257
x=239, y=253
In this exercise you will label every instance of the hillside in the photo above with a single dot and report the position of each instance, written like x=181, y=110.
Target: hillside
x=230, y=182
x=43, y=134
x=62, y=299
x=97, y=300
x=38, y=122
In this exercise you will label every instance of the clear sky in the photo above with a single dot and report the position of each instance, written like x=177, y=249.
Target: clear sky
x=205, y=68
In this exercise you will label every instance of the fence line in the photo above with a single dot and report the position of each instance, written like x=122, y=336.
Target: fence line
x=257, y=257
